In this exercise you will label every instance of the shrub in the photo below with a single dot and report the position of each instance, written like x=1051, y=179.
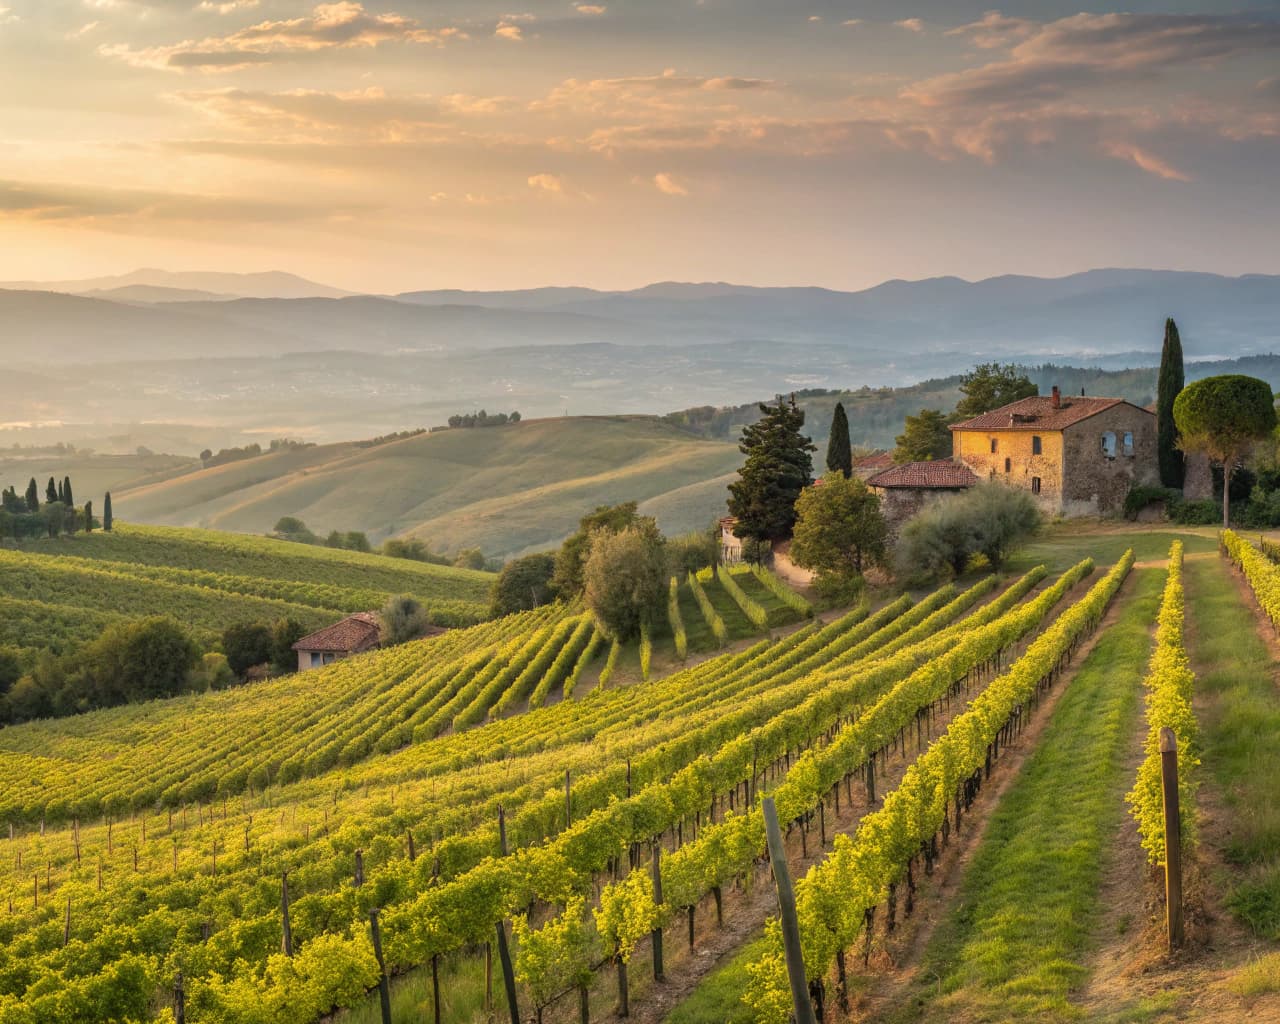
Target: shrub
x=626, y=579
x=990, y=520
x=1143, y=495
x=403, y=618
x=1197, y=513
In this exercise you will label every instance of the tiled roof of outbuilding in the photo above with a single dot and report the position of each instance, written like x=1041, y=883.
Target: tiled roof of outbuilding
x=940, y=474
x=354, y=633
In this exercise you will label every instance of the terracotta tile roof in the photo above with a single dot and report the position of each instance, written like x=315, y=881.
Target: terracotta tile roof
x=1038, y=413
x=941, y=474
x=356, y=632
x=873, y=463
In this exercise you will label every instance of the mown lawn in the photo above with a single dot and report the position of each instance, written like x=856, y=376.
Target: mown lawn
x=1012, y=946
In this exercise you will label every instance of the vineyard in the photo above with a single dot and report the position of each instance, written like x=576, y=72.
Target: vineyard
x=210, y=581
x=525, y=791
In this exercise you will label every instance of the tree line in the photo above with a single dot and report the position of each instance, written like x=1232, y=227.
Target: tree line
x=25, y=516
x=483, y=419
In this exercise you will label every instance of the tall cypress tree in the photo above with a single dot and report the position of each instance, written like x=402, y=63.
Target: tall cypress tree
x=1171, y=381
x=51, y=493
x=839, y=453
x=88, y=517
x=33, y=496
x=106, y=512
x=778, y=467
x=67, y=499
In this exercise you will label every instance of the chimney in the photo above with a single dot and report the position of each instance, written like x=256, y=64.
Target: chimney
x=1056, y=400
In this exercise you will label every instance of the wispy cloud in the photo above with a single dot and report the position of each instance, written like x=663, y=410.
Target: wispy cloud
x=667, y=185
x=1148, y=162
x=546, y=183
x=911, y=24
x=328, y=26
x=590, y=8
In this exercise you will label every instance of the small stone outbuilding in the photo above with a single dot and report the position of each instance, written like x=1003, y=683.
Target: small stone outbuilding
x=353, y=635
x=904, y=489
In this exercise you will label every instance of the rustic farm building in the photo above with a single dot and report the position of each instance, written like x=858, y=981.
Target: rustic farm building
x=352, y=635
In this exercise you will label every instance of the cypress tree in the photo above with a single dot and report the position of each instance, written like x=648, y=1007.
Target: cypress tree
x=1171, y=381
x=839, y=453
x=51, y=492
x=106, y=512
x=67, y=499
x=88, y=517
x=33, y=496
x=778, y=467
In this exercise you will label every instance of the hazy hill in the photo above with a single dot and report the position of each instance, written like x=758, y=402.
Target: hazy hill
x=270, y=284
x=153, y=294
x=503, y=489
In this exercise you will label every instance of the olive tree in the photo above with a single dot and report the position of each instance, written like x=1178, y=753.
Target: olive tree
x=626, y=578
x=1223, y=417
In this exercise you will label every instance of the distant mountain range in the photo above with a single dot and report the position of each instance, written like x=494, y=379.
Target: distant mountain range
x=274, y=354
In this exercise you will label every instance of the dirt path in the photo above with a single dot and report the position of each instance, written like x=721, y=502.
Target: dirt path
x=896, y=964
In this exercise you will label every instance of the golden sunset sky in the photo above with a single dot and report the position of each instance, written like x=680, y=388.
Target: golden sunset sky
x=397, y=144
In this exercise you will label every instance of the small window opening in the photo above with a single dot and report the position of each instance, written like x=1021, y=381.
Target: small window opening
x=1036, y=447
x=1128, y=442
x=993, y=446
x=1109, y=444
x=1008, y=465
x=1035, y=485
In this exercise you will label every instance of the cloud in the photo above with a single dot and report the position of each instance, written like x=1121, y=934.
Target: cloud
x=1048, y=61
x=329, y=26
x=546, y=183
x=1148, y=162
x=41, y=201
x=911, y=24
x=851, y=22
x=590, y=8
x=995, y=30
x=226, y=6
x=506, y=30
x=668, y=185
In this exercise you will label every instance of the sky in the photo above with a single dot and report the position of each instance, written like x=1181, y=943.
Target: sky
x=387, y=145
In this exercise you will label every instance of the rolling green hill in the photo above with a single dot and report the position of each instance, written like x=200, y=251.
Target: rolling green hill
x=57, y=593
x=503, y=489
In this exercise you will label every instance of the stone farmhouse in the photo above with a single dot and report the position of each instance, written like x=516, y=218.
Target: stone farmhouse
x=1075, y=455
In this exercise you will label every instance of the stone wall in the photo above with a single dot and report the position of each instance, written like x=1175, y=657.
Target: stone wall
x=898, y=504
x=1093, y=481
x=1014, y=461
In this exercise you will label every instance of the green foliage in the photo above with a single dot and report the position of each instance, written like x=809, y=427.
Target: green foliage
x=783, y=592
x=1224, y=417
x=10, y=668
x=403, y=618
x=413, y=549
x=924, y=437
x=778, y=467
x=107, y=520
x=524, y=583
x=284, y=634
x=690, y=552
x=839, y=451
x=470, y=558
x=294, y=529
x=646, y=650
x=751, y=608
x=1169, y=384
x=245, y=645
x=674, y=620
x=352, y=540
x=610, y=663
x=625, y=578
x=1169, y=685
x=1141, y=496
x=989, y=386
x=562, y=950
x=712, y=617
x=33, y=496
x=840, y=530
x=571, y=559
x=990, y=519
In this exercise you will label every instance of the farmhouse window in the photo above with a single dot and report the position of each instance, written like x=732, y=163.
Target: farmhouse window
x=1035, y=485
x=1128, y=442
x=993, y=446
x=1008, y=465
x=1109, y=444
x=1035, y=445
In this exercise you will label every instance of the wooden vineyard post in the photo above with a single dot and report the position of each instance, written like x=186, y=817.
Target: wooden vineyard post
x=1172, y=838
x=179, y=1000
x=504, y=953
x=66, y=926
x=286, y=940
x=568, y=809
x=871, y=781
x=384, y=986
x=787, y=909
x=359, y=868
x=657, y=899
